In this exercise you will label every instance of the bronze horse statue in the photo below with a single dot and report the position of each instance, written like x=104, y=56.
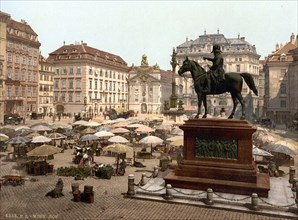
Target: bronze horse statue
x=232, y=84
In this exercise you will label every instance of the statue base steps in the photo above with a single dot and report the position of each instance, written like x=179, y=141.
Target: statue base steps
x=217, y=154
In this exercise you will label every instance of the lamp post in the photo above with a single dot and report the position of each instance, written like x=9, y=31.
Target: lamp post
x=173, y=97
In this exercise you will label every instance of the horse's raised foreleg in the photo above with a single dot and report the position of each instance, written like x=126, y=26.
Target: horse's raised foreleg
x=205, y=105
x=235, y=103
x=242, y=102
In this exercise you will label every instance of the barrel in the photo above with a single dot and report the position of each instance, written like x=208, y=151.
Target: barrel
x=89, y=197
x=74, y=187
x=76, y=195
x=88, y=189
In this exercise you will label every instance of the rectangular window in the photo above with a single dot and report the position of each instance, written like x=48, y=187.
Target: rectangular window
x=283, y=88
x=238, y=68
x=16, y=92
x=16, y=75
x=57, y=71
x=17, y=59
x=71, y=70
x=70, y=83
x=23, y=91
x=283, y=103
x=63, y=96
x=30, y=61
x=56, y=97
x=90, y=71
x=79, y=71
x=95, y=85
x=78, y=97
x=28, y=92
x=29, y=77
x=100, y=84
x=70, y=97
x=90, y=83
x=8, y=93
x=56, y=86
x=24, y=60
x=23, y=75
x=78, y=83
x=63, y=83
x=35, y=62
x=9, y=57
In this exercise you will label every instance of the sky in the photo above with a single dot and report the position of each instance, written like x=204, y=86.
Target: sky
x=133, y=28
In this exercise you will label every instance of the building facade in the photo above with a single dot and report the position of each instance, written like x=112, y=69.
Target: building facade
x=20, y=67
x=46, y=87
x=239, y=56
x=88, y=80
x=145, y=88
x=3, y=41
x=281, y=82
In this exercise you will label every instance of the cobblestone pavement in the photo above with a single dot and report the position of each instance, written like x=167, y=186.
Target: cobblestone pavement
x=29, y=201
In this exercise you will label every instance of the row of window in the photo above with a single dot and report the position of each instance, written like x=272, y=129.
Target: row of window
x=45, y=77
x=102, y=73
x=24, y=60
x=31, y=76
x=24, y=47
x=29, y=108
x=76, y=97
x=17, y=91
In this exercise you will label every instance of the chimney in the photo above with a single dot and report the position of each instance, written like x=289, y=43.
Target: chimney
x=217, y=30
x=276, y=47
x=186, y=39
x=205, y=32
x=238, y=35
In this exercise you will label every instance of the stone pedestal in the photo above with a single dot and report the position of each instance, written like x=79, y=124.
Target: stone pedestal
x=217, y=154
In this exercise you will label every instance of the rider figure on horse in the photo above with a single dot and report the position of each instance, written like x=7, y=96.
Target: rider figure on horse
x=216, y=72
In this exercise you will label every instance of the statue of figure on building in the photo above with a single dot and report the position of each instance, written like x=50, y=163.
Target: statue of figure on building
x=180, y=105
x=166, y=106
x=174, y=60
x=216, y=72
x=156, y=67
x=144, y=61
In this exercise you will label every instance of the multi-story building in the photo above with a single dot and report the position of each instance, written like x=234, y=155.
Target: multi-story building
x=88, y=80
x=46, y=84
x=3, y=41
x=239, y=56
x=21, y=67
x=281, y=82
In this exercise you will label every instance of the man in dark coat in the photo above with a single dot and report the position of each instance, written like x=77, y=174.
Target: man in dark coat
x=216, y=72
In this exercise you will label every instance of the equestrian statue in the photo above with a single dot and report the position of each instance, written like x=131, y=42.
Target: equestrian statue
x=216, y=81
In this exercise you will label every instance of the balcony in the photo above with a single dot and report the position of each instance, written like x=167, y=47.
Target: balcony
x=10, y=81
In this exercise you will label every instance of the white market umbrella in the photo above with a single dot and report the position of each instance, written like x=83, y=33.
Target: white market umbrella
x=56, y=136
x=93, y=124
x=41, y=128
x=152, y=140
x=118, y=139
x=41, y=139
x=144, y=129
x=89, y=137
x=259, y=152
x=80, y=122
x=104, y=134
x=120, y=130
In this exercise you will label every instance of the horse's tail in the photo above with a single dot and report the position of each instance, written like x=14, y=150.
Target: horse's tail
x=250, y=82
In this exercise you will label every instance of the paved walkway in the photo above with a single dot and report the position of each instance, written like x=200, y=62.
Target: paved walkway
x=29, y=202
